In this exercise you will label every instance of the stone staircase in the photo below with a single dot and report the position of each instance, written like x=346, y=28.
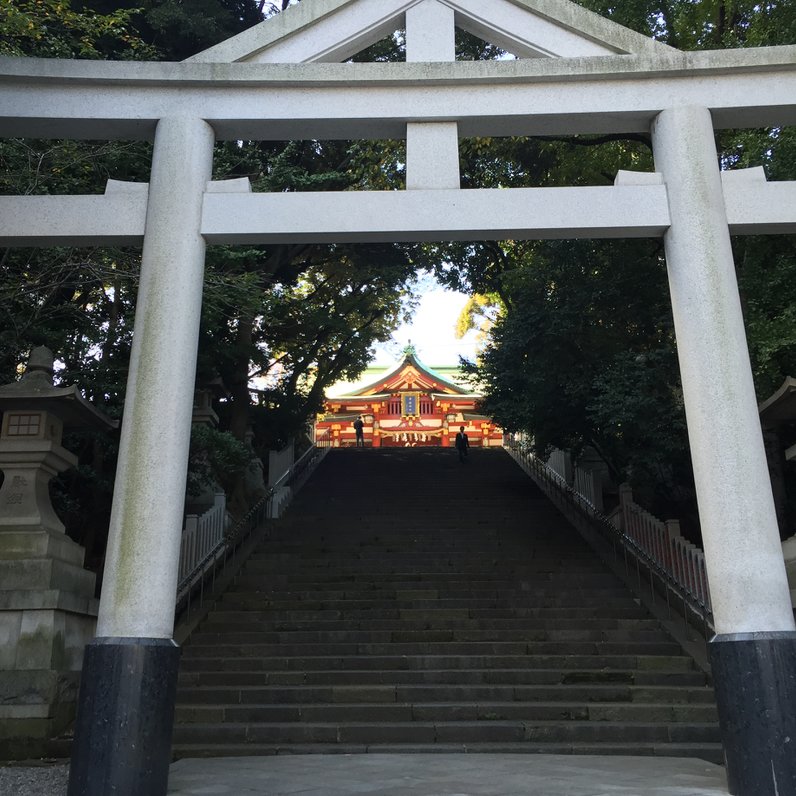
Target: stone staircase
x=412, y=603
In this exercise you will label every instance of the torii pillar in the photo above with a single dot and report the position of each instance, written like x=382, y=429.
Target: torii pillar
x=128, y=687
x=753, y=654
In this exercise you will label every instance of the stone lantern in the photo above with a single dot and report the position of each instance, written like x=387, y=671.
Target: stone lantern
x=47, y=605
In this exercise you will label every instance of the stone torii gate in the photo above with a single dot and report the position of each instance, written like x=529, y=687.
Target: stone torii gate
x=282, y=79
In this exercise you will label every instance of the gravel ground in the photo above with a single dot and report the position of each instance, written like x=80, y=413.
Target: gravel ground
x=37, y=778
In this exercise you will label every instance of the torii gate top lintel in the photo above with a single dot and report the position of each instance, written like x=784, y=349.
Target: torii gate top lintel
x=334, y=30
x=43, y=98
x=254, y=85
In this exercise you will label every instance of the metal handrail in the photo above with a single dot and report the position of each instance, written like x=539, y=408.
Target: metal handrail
x=217, y=558
x=255, y=520
x=560, y=491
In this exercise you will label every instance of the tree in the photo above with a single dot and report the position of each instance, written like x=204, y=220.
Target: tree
x=571, y=360
x=53, y=29
x=177, y=30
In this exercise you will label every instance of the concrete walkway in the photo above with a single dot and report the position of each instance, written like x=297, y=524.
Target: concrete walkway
x=447, y=775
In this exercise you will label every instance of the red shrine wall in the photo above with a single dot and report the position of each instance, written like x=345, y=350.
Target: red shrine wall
x=435, y=425
x=411, y=406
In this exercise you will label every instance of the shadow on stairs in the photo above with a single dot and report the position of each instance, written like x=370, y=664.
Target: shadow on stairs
x=411, y=603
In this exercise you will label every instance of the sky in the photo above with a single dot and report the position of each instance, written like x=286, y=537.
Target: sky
x=432, y=331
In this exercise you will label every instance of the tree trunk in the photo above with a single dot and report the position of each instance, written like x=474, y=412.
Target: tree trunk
x=239, y=386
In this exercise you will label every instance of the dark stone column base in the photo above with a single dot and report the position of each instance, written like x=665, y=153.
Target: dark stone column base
x=755, y=681
x=125, y=717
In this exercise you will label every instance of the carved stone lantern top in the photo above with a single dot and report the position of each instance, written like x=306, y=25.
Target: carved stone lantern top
x=35, y=414
x=31, y=404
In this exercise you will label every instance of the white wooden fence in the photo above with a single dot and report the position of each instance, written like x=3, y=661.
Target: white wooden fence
x=560, y=462
x=201, y=535
x=589, y=485
x=280, y=462
x=658, y=543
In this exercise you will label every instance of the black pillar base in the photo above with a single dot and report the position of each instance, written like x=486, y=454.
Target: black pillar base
x=125, y=717
x=755, y=681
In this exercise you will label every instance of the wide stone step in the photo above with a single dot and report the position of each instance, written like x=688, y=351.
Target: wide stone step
x=327, y=570
x=460, y=607
x=213, y=660
x=326, y=574
x=535, y=648
x=500, y=589
x=345, y=636
x=678, y=686
x=239, y=624
x=490, y=550
x=444, y=711
x=463, y=608
x=430, y=615
x=588, y=615
x=392, y=586
x=255, y=692
x=486, y=731
x=712, y=752
x=431, y=548
x=390, y=572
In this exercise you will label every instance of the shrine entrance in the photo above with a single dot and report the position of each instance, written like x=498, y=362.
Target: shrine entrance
x=577, y=73
x=410, y=406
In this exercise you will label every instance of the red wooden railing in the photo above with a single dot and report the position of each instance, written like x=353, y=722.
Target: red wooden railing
x=663, y=544
x=657, y=547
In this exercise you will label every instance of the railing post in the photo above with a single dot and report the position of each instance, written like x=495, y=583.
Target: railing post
x=672, y=532
x=625, y=499
x=188, y=556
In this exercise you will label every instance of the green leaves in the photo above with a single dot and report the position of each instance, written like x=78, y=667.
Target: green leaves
x=705, y=25
x=52, y=29
x=583, y=353
x=216, y=457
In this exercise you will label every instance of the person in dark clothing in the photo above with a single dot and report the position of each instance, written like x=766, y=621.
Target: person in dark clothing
x=359, y=428
x=462, y=444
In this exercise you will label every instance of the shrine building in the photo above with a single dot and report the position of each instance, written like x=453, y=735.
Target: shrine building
x=410, y=405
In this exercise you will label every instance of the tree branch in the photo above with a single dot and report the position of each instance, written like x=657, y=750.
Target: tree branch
x=596, y=140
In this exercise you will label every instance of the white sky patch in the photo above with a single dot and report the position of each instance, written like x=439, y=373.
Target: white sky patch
x=432, y=332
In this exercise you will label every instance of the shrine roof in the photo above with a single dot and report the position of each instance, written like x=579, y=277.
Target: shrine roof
x=350, y=397
x=476, y=416
x=474, y=395
x=409, y=371
x=35, y=391
x=333, y=418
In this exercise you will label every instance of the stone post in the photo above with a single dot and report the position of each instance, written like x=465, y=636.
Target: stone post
x=432, y=148
x=754, y=652
x=123, y=733
x=673, y=530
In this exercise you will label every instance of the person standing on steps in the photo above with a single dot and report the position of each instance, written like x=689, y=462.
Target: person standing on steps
x=462, y=444
x=359, y=428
